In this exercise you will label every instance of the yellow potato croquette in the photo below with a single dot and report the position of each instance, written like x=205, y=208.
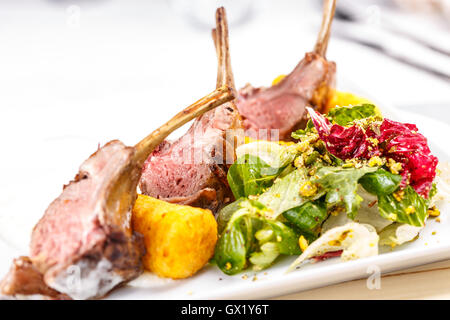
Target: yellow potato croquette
x=179, y=239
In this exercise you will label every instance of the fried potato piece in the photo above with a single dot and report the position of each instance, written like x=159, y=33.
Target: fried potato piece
x=179, y=239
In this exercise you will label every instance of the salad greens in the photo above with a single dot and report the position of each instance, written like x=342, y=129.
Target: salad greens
x=308, y=217
x=250, y=175
x=285, y=193
x=380, y=182
x=249, y=235
x=404, y=206
x=340, y=185
x=337, y=173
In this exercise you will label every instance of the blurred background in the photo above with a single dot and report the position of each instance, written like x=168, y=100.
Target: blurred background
x=74, y=74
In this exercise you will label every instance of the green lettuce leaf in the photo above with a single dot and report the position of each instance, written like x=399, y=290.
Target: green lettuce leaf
x=340, y=185
x=285, y=237
x=250, y=237
x=231, y=249
x=250, y=175
x=272, y=153
x=225, y=214
x=307, y=217
x=411, y=209
x=380, y=182
x=284, y=193
x=345, y=115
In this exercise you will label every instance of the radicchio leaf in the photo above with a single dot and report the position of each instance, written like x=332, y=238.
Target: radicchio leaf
x=398, y=141
x=342, y=142
x=405, y=145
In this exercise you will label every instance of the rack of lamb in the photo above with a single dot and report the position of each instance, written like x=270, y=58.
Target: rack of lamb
x=84, y=245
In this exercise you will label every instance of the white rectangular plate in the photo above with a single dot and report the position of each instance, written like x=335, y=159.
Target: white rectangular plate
x=20, y=210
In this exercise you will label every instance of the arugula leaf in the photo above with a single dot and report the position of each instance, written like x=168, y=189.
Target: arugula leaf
x=250, y=175
x=346, y=115
x=284, y=193
x=380, y=182
x=340, y=185
x=308, y=216
x=411, y=209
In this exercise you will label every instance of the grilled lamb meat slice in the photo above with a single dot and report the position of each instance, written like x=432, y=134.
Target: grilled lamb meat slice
x=282, y=106
x=192, y=170
x=84, y=246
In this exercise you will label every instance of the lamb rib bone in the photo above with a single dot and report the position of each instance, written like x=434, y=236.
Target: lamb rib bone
x=325, y=30
x=221, y=43
x=192, y=169
x=218, y=97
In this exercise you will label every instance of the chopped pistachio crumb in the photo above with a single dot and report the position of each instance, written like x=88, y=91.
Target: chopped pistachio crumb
x=334, y=243
x=303, y=243
x=399, y=195
x=375, y=161
x=299, y=162
x=336, y=211
x=374, y=141
x=326, y=157
x=392, y=216
x=410, y=210
x=308, y=189
x=433, y=212
x=302, y=146
x=394, y=166
x=348, y=165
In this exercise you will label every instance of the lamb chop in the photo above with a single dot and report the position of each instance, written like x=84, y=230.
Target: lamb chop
x=192, y=170
x=282, y=106
x=84, y=246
